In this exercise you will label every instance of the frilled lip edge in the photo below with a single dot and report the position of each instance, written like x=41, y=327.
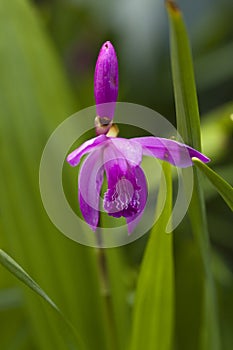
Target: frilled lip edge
x=125, y=179
x=126, y=154
x=127, y=187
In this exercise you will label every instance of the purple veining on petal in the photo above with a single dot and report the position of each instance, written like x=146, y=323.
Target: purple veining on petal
x=89, y=186
x=74, y=157
x=133, y=221
x=106, y=81
x=122, y=197
x=171, y=151
x=112, y=156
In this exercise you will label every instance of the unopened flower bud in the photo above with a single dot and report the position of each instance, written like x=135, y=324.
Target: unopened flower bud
x=105, y=87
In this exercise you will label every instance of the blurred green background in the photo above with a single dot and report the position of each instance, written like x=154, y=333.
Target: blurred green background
x=48, y=50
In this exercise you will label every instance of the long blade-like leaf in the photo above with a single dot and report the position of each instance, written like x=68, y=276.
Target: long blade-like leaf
x=117, y=271
x=223, y=187
x=153, y=314
x=188, y=124
x=72, y=340
x=35, y=97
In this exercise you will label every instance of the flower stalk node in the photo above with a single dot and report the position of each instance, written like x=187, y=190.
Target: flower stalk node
x=102, y=125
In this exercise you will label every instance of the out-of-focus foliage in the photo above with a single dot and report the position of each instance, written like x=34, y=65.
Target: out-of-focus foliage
x=157, y=279
x=48, y=50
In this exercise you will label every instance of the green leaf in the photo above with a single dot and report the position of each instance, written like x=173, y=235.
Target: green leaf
x=223, y=187
x=117, y=272
x=188, y=124
x=209, y=337
x=189, y=295
x=153, y=312
x=72, y=340
x=35, y=97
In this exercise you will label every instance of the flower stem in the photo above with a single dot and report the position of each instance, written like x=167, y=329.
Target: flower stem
x=105, y=291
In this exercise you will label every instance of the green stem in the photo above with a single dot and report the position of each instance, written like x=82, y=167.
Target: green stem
x=105, y=289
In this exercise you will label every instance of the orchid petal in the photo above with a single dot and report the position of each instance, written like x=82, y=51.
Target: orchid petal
x=130, y=150
x=74, y=158
x=171, y=151
x=89, y=186
x=134, y=220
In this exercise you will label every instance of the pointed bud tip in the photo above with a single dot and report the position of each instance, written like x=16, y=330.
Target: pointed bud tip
x=172, y=6
x=107, y=46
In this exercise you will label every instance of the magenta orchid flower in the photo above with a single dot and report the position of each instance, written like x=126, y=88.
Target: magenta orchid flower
x=119, y=158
